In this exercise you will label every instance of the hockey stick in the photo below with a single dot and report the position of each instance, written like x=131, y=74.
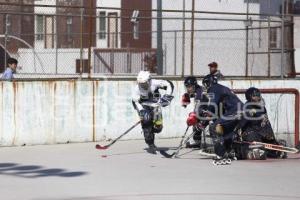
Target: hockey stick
x=205, y=150
x=98, y=146
x=182, y=143
x=274, y=147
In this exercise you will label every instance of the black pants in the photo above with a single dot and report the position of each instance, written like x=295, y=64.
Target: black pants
x=198, y=134
x=152, y=125
x=222, y=132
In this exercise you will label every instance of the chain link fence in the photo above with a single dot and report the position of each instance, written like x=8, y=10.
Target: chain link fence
x=63, y=39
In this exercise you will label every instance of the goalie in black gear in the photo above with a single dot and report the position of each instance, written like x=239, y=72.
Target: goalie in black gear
x=257, y=127
x=147, y=93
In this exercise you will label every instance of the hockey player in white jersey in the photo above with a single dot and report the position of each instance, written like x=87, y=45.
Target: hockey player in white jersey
x=148, y=101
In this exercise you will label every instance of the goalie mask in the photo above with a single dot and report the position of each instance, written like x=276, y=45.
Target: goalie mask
x=253, y=95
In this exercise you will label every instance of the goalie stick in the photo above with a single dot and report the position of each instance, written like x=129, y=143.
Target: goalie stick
x=274, y=147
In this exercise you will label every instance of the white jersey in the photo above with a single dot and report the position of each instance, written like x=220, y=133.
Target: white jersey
x=152, y=94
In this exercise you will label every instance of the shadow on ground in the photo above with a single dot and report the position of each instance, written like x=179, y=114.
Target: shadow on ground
x=36, y=171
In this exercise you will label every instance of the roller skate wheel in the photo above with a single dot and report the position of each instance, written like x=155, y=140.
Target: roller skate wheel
x=228, y=161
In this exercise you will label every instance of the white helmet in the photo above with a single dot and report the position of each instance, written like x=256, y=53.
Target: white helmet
x=144, y=77
x=144, y=80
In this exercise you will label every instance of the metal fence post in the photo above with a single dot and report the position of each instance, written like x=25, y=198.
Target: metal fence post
x=81, y=39
x=183, y=40
x=5, y=42
x=247, y=39
x=90, y=36
x=192, y=38
x=175, y=53
x=128, y=59
x=282, y=38
x=56, y=49
x=159, y=39
x=165, y=59
x=269, y=39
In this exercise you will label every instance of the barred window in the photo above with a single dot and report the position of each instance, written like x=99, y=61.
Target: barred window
x=273, y=38
x=102, y=25
x=69, y=28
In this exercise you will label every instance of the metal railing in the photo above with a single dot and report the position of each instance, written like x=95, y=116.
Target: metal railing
x=178, y=40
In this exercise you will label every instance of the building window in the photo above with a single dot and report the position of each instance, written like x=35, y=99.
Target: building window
x=39, y=27
x=112, y=30
x=49, y=32
x=102, y=25
x=273, y=38
x=69, y=28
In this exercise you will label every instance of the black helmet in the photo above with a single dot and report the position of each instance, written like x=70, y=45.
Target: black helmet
x=190, y=81
x=209, y=80
x=251, y=92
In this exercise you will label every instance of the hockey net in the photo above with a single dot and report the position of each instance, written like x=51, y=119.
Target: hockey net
x=283, y=112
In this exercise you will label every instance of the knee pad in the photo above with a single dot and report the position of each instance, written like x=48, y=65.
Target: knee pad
x=219, y=129
x=216, y=130
x=157, y=129
x=256, y=154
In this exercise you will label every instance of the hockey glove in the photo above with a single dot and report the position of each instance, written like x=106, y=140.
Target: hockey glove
x=185, y=100
x=192, y=119
x=166, y=100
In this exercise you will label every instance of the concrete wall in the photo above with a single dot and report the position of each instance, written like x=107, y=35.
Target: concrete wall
x=51, y=112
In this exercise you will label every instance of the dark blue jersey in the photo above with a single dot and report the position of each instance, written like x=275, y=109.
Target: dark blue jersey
x=201, y=101
x=223, y=98
x=198, y=93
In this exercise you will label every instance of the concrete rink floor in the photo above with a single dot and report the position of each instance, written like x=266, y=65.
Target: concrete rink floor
x=79, y=172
